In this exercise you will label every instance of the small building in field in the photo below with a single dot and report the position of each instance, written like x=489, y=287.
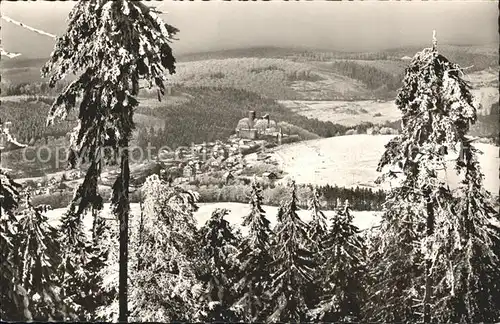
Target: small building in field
x=270, y=175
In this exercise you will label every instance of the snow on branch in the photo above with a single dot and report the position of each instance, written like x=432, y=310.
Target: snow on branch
x=39, y=31
x=9, y=54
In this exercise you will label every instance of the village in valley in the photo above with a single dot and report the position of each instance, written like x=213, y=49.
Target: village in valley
x=254, y=137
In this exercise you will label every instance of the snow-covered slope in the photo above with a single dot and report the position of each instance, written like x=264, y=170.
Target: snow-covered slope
x=352, y=161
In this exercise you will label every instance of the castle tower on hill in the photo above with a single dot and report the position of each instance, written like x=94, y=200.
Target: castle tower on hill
x=252, y=127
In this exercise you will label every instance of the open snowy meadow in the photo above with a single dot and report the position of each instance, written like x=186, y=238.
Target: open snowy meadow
x=352, y=161
x=362, y=219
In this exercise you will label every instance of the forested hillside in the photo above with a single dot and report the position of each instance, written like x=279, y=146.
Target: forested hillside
x=213, y=113
x=29, y=119
x=371, y=76
x=208, y=113
x=475, y=57
x=278, y=73
x=217, y=88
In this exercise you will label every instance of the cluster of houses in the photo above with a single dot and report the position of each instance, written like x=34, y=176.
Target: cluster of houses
x=187, y=163
x=52, y=185
x=48, y=187
x=252, y=136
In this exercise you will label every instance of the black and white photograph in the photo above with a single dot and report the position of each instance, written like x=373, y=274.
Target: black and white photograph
x=249, y=161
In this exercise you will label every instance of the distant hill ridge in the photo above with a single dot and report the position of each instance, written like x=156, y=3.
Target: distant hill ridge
x=271, y=51
x=291, y=73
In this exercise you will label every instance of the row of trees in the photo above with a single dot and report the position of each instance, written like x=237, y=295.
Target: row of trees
x=295, y=271
x=31, y=88
x=180, y=273
x=374, y=78
x=359, y=198
x=329, y=56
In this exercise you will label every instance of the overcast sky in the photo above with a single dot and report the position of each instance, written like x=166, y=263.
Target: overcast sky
x=344, y=26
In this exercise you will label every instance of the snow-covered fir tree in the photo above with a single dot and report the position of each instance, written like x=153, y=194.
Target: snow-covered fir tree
x=218, y=256
x=38, y=256
x=255, y=260
x=318, y=225
x=317, y=230
x=164, y=286
x=76, y=269
x=97, y=260
x=394, y=264
x=111, y=46
x=437, y=260
x=108, y=248
x=468, y=281
x=343, y=271
x=292, y=265
x=14, y=300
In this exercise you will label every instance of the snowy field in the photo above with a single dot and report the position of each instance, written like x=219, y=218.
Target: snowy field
x=352, y=161
x=362, y=219
x=487, y=96
x=348, y=113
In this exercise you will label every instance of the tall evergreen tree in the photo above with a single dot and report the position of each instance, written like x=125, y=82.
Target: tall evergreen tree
x=111, y=46
x=440, y=239
x=395, y=264
x=468, y=261
x=292, y=265
x=14, y=299
x=79, y=283
x=255, y=259
x=343, y=271
x=218, y=254
x=317, y=230
x=97, y=259
x=317, y=226
x=38, y=257
x=164, y=286
x=108, y=248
